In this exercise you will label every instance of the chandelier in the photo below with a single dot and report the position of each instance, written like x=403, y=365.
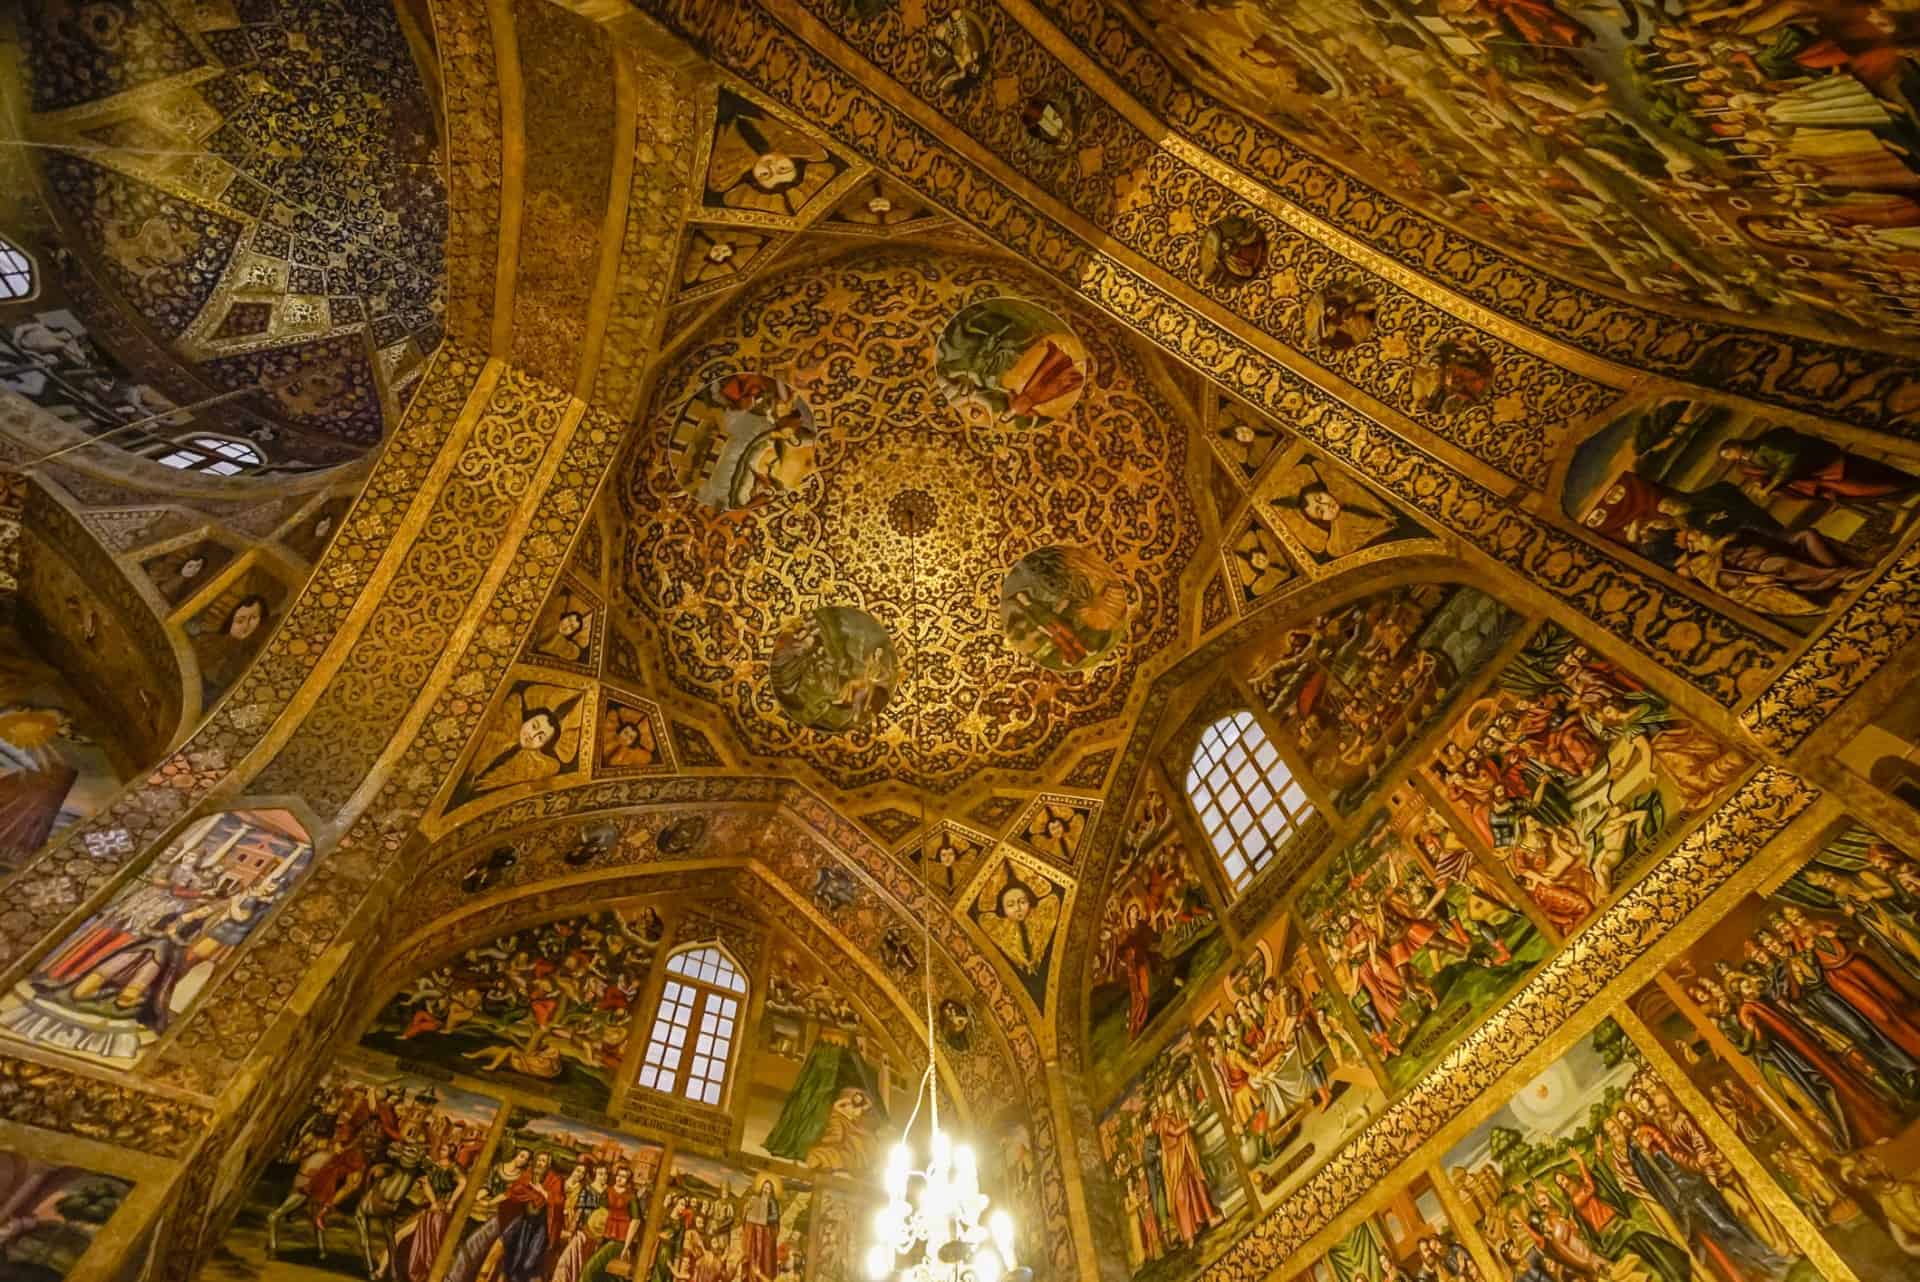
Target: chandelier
x=935, y=1226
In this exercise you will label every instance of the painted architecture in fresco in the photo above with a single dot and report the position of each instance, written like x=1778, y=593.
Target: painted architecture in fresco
x=1354, y=687
x=561, y=1202
x=1771, y=518
x=52, y=1212
x=1409, y=1237
x=743, y=440
x=722, y=1221
x=1595, y=1161
x=114, y=985
x=369, y=1182
x=1798, y=1015
x=1288, y=1064
x=1169, y=1153
x=550, y=1005
x=1570, y=771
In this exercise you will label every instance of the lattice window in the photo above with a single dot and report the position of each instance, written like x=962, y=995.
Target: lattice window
x=16, y=272
x=694, y=1029
x=215, y=455
x=1247, y=799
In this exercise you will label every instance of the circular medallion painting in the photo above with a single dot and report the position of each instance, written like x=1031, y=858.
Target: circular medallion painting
x=742, y=440
x=1063, y=608
x=834, y=669
x=1010, y=361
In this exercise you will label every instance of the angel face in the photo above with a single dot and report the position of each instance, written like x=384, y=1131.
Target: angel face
x=775, y=170
x=1320, y=505
x=1015, y=903
x=538, y=730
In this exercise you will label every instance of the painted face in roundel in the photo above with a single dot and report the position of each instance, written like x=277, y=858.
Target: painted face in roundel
x=537, y=731
x=775, y=170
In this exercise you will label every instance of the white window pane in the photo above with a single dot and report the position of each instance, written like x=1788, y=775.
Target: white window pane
x=649, y=1078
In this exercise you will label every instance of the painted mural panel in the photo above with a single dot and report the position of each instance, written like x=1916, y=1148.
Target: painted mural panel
x=1356, y=686
x=1290, y=1070
x=1410, y=1237
x=720, y=1223
x=368, y=1183
x=1019, y=908
x=52, y=1213
x=1421, y=940
x=821, y=1090
x=534, y=736
x=1159, y=938
x=1798, y=1015
x=229, y=630
x=113, y=986
x=1748, y=157
x=181, y=573
x=1170, y=1155
x=49, y=358
x=1571, y=771
x=1593, y=1169
x=563, y=1202
x=840, y=1243
x=547, y=1007
x=1328, y=515
x=54, y=767
x=1780, y=521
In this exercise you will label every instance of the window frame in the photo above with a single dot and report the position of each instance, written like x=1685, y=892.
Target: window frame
x=696, y=1027
x=213, y=455
x=1257, y=785
x=16, y=263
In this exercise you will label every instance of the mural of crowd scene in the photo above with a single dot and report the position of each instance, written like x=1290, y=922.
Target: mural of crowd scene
x=1408, y=1240
x=1170, y=1156
x=821, y=1089
x=48, y=357
x=117, y=982
x=368, y=1183
x=719, y=1223
x=52, y=1212
x=1571, y=770
x=1421, y=940
x=1005, y=360
x=563, y=1202
x=1798, y=1015
x=744, y=439
x=1291, y=1073
x=533, y=736
x=55, y=768
x=1772, y=518
x=1740, y=156
x=1355, y=686
x=1594, y=1170
x=1158, y=938
x=1063, y=608
x=548, y=1006
x=229, y=630
x=835, y=669
x=181, y=573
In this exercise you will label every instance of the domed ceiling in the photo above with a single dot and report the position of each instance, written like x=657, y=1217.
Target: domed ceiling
x=259, y=184
x=986, y=471
x=1755, y=158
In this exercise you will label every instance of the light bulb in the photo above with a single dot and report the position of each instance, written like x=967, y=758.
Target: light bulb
x=879, y=1262
x=899, y=1167
x=986, y=1265
x=942, y=1153
x=966, y=1172
x=1001, y=1225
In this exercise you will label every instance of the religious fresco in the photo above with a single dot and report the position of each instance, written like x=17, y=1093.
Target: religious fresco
x=113, y=986
x=631, y=737
x=308, y=537
x=1594, y=1169
x=1233, y=248
x=1054, y=828
x=961, y=50
x=547, y=1007
x=1063, y=608
x=744, y=439
x=1798, y=1016
x=1246, y=440
x=1008, y=361
x=55, y=769
x=1170, y=1156
x=533, y=736
x=368, y=1183
x=1327, y=514
x=1740, y=158
x=1775, y=519
x=1410, y=1237
x=52, y=1211
x=1159, y=938
x=1292, y=1077
x=1258, y=563
x=228, y=631
x=947, y=859
x=1020, y=909
x=562, y=1202
x=566, y=631
x=1421, y=940
x=183, y=572
x=821, y=1089
x=835, y=669
x=727, y=1223
x=1572, y=771
x=49, y=358
x=760, y=164
x=1356, y=686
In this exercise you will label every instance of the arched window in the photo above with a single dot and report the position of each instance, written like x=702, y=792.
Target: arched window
x=216, y=455
x=1247, y=799
x=16, y=272
x=693, y=1031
